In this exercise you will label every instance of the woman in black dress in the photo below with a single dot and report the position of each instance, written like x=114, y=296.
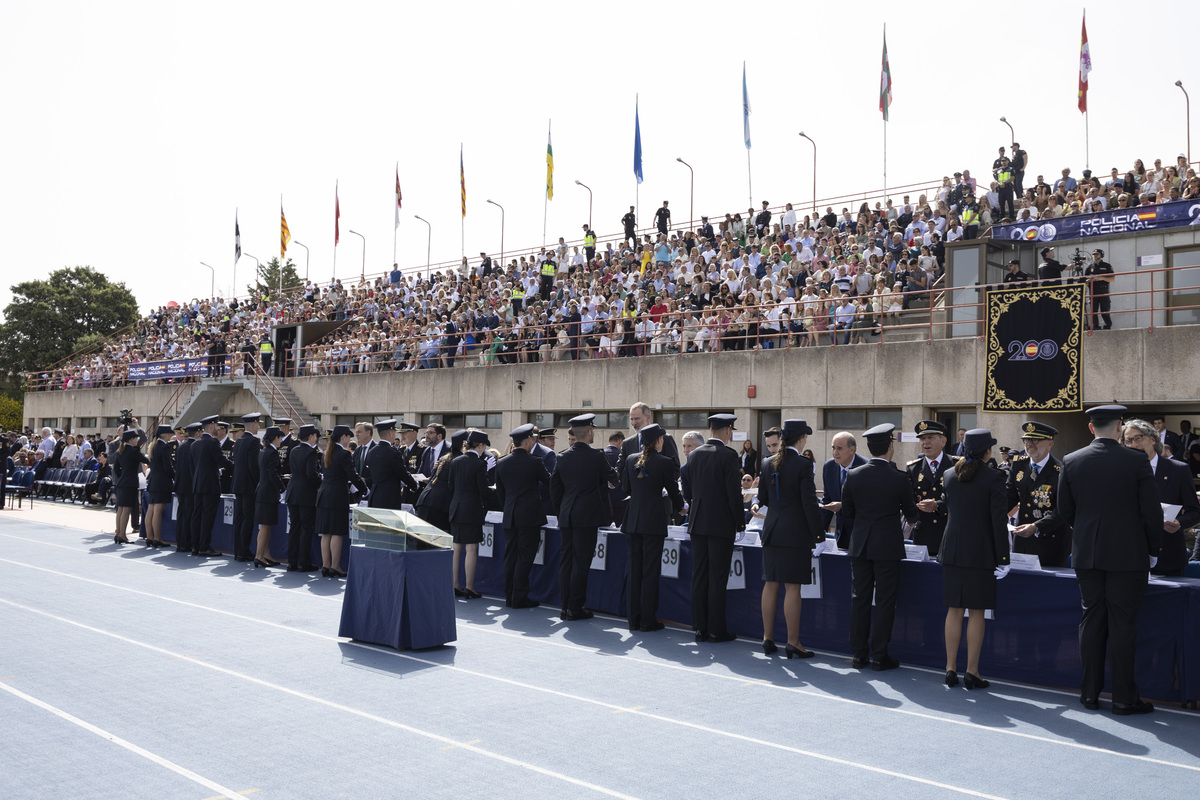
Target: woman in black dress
x=266, y=497
x=128, y=468
x=646, y=475
x=787, y=489
x=333, y=500
x=433, y=505
x=974, y=551
x=159, y=484
x=470, y=499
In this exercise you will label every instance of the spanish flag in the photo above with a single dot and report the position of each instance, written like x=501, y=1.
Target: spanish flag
x=549, y=167
x=285, y=235
x=462, y=181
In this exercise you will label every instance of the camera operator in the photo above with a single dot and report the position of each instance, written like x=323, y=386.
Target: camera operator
x=1099, y=275
x=1050, y=271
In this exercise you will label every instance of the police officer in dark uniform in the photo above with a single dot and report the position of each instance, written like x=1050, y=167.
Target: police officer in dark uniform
x=874, y=497
x=183, y=489
x=266, y=496
x=1015, y=275
x=546, y=439
x=227, y=436
x=925, y=477
x=410, y=447
x=662, y=218
x=1032, y=490
x=207, y=462
x=1106, y=493
x=304, y=464
x=629, y=225
x=285, y=444
x=1050, y=271
x=519, y=477
x=579, y=491
x=245, y=486
x=646, y=477
x=716, y=514
x=1099, y=276
x=389, y=474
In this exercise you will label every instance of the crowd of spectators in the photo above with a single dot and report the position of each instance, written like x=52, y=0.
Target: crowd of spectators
x=751, y=281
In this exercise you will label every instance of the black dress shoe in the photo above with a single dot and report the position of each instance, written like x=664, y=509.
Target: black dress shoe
x=307, y=568
x=584, y=614
x=258, y=562
x=292, y=568
x=727, y=636
x=769, y=646
x=1125, y=709
x=860, y=663
x=798, y=652
x=336, y=573
x=183, y=550
x=210, y=553
x=652, y=627
x=526, y=604
x=1090, y=703
x=270, y=562
x=701, y=636
x=974, y=681
x=885, y=664
x=325, y=572
x=243, y=558
x=471, y=594
x=951, y=678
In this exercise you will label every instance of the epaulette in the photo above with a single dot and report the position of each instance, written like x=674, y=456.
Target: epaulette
x=916, y=461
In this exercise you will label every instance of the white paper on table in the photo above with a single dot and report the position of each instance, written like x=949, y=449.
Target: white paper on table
x=494, y=517
x=820, y=548
x=1170, y=512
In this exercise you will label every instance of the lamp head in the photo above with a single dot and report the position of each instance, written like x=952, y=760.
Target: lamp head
x=1002, y=119
x=1179, y=84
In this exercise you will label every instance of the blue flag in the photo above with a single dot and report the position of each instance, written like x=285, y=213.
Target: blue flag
x=637, y=143
x=745, y=107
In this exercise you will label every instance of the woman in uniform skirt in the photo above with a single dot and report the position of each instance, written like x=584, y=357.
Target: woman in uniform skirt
x=792, y=529
x=646, y=475
x=266, y=496
x=433, y=505
x=130, y=459
x=974, y=551
x=159, y=484
x=470, y=499
x=333, y=500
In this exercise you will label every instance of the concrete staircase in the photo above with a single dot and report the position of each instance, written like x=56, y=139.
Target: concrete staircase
x=210, y=395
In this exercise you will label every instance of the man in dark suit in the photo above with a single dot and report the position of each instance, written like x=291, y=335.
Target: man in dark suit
x=364, y=438
x=304, y=464
x=207, y=462
x=639, y=416
x=573, y=321
x=389, y=474
x=1169, y=438
x=519, y=475
x=925, y=477
x=546, y=439
x=183, y=489
x=833, y=475
x=245, y=485
x=873, y=499
x=1173, y=481
x=613, y=453
x=1106, y=493
x=579, y=490
x=1032, y=496
x=714, y=495
x=449, y=341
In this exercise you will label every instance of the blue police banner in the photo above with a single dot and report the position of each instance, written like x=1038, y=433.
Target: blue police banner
x=179, y=368
x=1034, y=350
x=1107, y=223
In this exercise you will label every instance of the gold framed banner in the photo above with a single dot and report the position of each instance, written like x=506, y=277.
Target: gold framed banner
x=1034, y=350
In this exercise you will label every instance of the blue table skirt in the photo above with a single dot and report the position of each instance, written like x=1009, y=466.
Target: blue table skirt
x=222, y=534
x=402, y=600
x=1033, y=638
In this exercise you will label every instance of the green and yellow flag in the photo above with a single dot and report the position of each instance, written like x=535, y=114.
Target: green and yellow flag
x=549, y=167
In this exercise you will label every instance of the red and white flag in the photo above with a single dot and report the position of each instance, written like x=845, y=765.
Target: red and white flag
x=1085, y=66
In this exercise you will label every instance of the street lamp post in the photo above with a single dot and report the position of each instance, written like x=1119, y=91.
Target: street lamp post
x=257, y=265
x=363, y=278
x=497, y=205
x=213, y=288
x=1188, y=112
x=814, y=144
x=584, y=185
x=299, y=244
x=691, y=192
x=1010, y=130
x=428, y=240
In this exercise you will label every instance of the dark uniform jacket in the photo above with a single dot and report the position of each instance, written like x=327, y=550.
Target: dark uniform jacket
x=874, y=497
x=246, y=464
x=270, y=478
x=715, y=491
x=518, y=478
x=128, y=467
x=644, y=486
x=227, y=445
x=927, y=486
x=285, y=448
x=977, y=528
x=631, y=445
x=207, y=462
x=470, y=495
x=337, y=479
x=790, y=497
x=436, y=493
x=579, y=488
x=162, y=473
x=1173, y=481
x=1036, y=501
x=1106, y=493
x=304, y=461
x=389, y=475
x=183, y=467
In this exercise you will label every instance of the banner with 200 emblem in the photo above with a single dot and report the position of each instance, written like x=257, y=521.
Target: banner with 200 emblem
x=1034, y=350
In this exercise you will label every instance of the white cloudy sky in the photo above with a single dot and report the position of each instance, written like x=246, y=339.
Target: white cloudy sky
x=133, y=130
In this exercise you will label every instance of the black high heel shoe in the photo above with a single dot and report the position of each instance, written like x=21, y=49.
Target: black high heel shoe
x=325, y=572
x=799, y=652
x=974, y=681
x=951, y=678
x=769, y=646
x=336, y=573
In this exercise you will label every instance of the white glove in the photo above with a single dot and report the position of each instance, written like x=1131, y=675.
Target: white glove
x=1153, y=562
x=1001, y=571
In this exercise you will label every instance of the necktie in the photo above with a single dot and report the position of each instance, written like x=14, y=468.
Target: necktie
x=933, y=467
x=1034, y=471
x=844, y=473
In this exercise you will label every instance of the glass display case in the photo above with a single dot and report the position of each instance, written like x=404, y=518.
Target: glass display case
x=398, y=531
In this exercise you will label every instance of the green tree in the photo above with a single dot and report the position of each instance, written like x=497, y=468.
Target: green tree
x=268, y=278
x=47, y=317
x=11, y=412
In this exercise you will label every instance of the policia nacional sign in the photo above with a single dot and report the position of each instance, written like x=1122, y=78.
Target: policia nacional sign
x=1034, y=350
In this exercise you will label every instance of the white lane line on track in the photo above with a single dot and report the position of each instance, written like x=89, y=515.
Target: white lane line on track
x=330, y=704
x=117, y=740
x=819, y=695
x=515, y=762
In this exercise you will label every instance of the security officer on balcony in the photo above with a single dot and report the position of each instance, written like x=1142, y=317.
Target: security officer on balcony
x=266, y=351
x=1050, y=271
x=245, y=486
x=1100, y=276
x=548, y=271
x=589, y=243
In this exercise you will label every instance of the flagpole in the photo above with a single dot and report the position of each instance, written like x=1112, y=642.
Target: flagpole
x=237, y=230
x=1087, y=143
x=336, y=215
x=396, y=225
